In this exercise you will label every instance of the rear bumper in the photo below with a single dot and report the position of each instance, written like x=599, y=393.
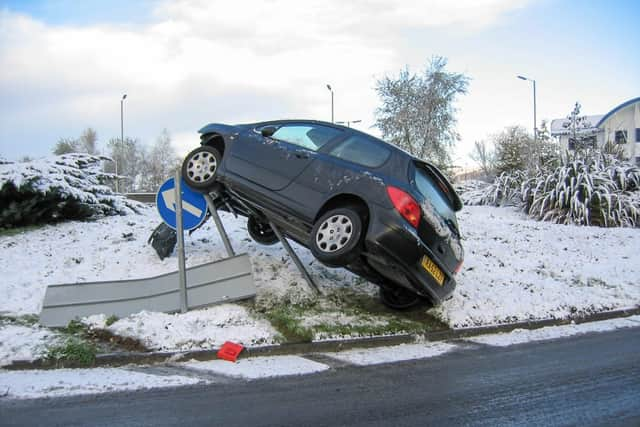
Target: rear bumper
x=395, y=251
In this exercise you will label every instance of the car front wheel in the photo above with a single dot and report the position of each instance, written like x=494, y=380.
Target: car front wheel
x=200, y=167
x=336, y=236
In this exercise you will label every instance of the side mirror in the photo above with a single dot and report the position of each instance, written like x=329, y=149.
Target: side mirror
x=268, y=130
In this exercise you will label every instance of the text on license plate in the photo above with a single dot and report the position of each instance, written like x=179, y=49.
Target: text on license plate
x=433, y=269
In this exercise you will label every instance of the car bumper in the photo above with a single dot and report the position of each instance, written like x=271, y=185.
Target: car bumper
x=396, y=250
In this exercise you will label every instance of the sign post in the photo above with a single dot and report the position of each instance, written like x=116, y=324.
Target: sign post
x=182, y=272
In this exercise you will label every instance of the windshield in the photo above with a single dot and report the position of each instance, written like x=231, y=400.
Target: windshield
x=430, y=189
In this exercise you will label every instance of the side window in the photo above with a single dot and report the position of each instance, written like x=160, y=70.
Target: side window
x=360, y=150
x=312, y=137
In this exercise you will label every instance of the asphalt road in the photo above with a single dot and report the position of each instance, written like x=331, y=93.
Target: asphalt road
x=586, y=380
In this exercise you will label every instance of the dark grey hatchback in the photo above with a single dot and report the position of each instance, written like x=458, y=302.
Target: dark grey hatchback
x=352, y=199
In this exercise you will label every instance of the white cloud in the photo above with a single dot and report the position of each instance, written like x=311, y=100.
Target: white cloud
x=202, y=61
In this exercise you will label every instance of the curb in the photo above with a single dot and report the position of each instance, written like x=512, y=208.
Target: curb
x=140, y=358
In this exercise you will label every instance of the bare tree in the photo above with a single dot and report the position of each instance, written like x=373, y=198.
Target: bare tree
x=127, y=159
x=66, y=145
x=485, y=157
x=160, y=162
x=417, y=112
x=88, y=141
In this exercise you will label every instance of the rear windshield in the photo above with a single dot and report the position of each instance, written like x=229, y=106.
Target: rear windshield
x=429, y=188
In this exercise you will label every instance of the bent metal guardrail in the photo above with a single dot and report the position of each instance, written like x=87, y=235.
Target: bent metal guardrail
x=226, y=280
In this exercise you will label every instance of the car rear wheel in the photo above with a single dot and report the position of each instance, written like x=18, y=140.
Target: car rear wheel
x=336, y=236
x=399, y=298
x=200, y=167
x=261, y=231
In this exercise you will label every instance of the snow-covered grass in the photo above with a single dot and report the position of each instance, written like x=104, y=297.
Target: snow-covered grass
x=515, y=269
x=69, y=382
x=518, y=269
x=24, y=342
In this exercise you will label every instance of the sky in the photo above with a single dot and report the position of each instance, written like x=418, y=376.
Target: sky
x=64, y=65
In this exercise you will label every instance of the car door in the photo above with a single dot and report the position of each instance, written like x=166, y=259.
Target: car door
x=274, y=162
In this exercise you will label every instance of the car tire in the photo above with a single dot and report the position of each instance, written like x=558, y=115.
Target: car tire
x=261, y=231
x=399, y=298
x=200, y=168
x=336, y=236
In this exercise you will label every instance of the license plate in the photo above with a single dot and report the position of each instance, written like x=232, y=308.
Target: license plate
x=433, y=269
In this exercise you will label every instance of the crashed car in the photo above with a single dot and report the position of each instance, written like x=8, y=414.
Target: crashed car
x=352, y=199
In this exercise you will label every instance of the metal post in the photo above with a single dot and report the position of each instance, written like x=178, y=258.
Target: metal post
x=121, y=135
x=182, y=272
x=331, y=106
x=219, y=225
x=295, y=258
x=535, y=123
x=331, y=90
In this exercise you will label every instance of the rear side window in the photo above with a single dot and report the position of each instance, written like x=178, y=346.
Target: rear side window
x=312, y=137
x=430, y=189
x=362, y=151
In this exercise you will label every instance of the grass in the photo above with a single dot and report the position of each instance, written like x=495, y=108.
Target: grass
x=111, y=320
x=287, y=320
x=8, y=232
x=74, y=352
x=367, y=317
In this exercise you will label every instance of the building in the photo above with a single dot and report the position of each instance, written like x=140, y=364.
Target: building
x=620, y=126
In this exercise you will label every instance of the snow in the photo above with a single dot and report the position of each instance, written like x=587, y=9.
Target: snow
x=519, y=336
x=518, y=269
x=398, y=353
x=260, y=367
x=18, y=342
x=198, y=329
x=69, y=382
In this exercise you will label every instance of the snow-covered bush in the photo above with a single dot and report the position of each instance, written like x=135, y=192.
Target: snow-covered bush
x=70, y=186
x=595, y=189
x=470, y=191
x=504, y=191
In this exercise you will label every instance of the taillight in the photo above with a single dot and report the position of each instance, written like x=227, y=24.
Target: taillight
x=405, y=204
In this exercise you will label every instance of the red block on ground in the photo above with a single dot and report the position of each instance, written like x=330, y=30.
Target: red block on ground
x=230, y=351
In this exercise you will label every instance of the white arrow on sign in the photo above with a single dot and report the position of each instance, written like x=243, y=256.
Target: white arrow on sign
x=169, y=197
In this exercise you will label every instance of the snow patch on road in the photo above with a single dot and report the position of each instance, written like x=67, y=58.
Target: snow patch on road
x=69, y=382
x=398, y=353
x=260, y=367
x=519, y=336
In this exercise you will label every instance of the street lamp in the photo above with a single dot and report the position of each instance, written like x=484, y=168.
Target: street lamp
x=348, y=122
x=331, y=90
x=121, y=135
x=535, y=128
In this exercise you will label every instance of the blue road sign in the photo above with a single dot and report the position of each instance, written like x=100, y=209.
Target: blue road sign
x=194, y=205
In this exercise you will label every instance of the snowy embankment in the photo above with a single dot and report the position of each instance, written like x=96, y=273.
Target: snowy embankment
x=515, y=269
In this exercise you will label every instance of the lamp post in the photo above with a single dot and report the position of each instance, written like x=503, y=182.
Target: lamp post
x=535, y=126
x=121, y=135
x=348, y=122
x=331, y=90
